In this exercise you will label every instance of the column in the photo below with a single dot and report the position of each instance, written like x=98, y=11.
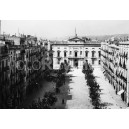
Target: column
x=71, y=63
x=79, y=63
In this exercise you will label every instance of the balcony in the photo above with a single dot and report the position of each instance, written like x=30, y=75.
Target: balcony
x=59, y=57
x=93, y=57
x=75, y=57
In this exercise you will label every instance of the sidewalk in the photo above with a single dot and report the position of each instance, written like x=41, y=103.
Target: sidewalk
x=75, y=92
x=108, y=95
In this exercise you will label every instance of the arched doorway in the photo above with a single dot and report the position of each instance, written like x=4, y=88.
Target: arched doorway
x=75, y=53
x=75, y=62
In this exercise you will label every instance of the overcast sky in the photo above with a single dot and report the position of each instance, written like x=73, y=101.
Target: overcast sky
x=65, y=28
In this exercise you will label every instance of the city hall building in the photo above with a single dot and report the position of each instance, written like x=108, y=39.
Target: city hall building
x=75, y=51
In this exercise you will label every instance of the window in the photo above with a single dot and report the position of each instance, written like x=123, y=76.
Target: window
x=99, y=62
x=80, y=52
x=58, y=61
x=75, y=54
x=70, y=53
x=64, y=54
x=58, y=54
x=86, y=53
x=92, y=61
x=93, y=53
x=99, y=53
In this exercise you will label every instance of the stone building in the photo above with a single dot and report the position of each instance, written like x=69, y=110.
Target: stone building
x=115, y=62
x=75, y=51
x=20, y=67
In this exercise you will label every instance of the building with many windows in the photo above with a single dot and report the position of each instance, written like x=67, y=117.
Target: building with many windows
x=21, y=66
x=115, y=62
x=75, y=51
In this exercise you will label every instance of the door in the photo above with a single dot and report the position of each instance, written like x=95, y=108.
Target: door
x=76, y=62
x=75, y=54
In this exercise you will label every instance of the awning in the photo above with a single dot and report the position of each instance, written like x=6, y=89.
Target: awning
x=120, y=92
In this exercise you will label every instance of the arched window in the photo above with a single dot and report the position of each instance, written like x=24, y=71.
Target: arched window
x=58, y=53
x=99, y=53
x=86, y=53
x=75, y=53
x=93, y=53
x=65, y=53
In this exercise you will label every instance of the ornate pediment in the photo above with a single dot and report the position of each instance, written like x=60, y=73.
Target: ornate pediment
x=76, y=39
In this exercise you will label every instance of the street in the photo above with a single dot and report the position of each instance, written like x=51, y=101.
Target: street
x=79, y=91
x=75, y=92
x=108, y=95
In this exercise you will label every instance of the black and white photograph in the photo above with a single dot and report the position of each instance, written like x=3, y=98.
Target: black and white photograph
x=64, y=64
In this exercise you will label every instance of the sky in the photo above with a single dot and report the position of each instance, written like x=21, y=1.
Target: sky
x=55, y=29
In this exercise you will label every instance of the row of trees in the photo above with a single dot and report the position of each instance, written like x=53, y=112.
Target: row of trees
x=47, y=102
x=49, y=99
x=94, y=88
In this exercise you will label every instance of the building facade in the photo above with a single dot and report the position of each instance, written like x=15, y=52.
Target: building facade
x=75, y=51
x=115, y=62
x=21, y=66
